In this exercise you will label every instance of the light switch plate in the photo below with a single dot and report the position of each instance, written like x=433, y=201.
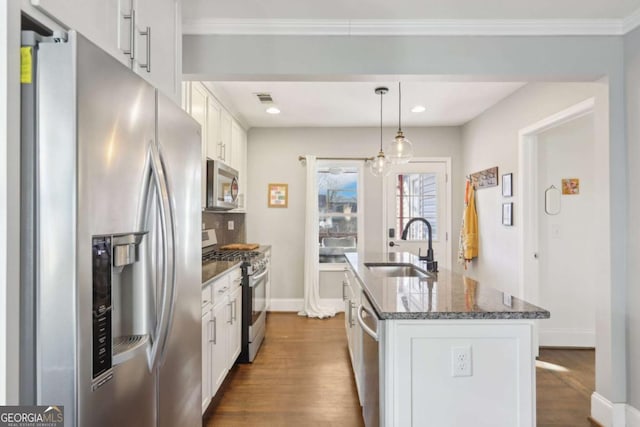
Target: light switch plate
x=230, y=225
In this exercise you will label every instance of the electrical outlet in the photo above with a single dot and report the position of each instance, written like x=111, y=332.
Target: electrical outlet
x=461, y=361
x=203, y=225
x=230, y=225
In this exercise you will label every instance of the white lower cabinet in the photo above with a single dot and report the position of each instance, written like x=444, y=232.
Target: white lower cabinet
x=221, y=331
x=235, y=340
x=206, y=357
x=351, y=296
x=219, y=351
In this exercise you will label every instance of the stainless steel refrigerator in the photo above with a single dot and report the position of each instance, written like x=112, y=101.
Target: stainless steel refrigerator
x=110, y=235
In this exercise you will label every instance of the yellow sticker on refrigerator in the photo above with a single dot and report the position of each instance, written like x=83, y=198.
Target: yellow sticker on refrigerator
x=26, y=65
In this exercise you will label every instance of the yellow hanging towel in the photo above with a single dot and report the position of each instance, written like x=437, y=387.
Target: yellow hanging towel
x=470, y=227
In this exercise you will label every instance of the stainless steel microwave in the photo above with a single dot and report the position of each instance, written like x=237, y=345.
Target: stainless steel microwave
x=222, y=186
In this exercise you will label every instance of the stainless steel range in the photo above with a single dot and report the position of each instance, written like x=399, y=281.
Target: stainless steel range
x=254, y=278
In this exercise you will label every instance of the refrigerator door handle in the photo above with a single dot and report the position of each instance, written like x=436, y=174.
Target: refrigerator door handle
x=166, y=212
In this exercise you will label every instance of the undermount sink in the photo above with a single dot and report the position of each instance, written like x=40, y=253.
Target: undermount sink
x=396, y=270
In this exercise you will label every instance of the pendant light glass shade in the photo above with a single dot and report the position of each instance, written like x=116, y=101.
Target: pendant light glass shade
x=380, y=164
x=400, y=150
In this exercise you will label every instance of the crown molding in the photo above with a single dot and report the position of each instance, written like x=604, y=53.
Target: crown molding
x=631, y=22
x=286, y=27
x=425, y=27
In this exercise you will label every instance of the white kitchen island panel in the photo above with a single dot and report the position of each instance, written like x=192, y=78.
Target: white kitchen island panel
x=424, y=391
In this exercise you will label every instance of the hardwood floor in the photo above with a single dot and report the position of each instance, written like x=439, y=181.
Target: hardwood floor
x=302, y=376
x=565, y=380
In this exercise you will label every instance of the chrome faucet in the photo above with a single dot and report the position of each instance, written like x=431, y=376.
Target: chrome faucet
x=432, y=265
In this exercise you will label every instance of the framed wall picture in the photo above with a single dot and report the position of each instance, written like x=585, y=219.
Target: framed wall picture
x=507, y=185
x=570, y=186
x=507, y=214
x=278, y=195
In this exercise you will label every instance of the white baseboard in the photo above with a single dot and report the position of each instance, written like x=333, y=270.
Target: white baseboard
x=613, y=414
x=567, y=337
x=633, y=417
x=295, y=304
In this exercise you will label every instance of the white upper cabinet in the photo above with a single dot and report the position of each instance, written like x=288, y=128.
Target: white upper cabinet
x=214, y=147
x=97, y=20
x=238, y=160
x=223, y=138
x=157, y=44
x=198, y=110
x=226, y=126
x=142, y=34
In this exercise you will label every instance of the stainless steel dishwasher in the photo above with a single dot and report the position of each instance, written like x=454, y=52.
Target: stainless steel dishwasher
x=369, y=322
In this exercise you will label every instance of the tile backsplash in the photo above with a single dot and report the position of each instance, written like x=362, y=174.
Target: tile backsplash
x=220, y=222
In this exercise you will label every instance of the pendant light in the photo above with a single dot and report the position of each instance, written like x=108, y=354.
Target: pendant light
x=400, y=149
x=380, y=164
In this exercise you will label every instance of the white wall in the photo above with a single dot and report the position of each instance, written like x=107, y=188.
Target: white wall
x=567, y=249
x=632, y=64
x=273, y=158
x=491, y=139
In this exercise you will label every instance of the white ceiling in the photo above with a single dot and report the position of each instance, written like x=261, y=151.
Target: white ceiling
x=410, y=9
x=340, y=104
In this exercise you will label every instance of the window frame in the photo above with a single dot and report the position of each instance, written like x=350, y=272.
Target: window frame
x=359, y=165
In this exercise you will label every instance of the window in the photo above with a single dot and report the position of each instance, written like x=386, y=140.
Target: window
x=339, y=210
x=416, y=196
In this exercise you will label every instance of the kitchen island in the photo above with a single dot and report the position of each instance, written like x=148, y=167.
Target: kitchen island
x=450, y=351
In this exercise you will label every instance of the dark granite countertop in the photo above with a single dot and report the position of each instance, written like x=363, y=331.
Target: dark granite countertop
x=212, y=269
x=444, y=295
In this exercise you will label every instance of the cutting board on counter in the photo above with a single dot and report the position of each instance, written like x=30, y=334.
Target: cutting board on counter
x=240, y=247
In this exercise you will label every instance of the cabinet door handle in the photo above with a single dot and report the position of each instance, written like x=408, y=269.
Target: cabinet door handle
x=132, y=34
x=147, y=34
x=344, y=295
x=224, y=152
x=230, y=321
x=209, y=326
x=234, y=310
x=215, y=330
x=352, y=307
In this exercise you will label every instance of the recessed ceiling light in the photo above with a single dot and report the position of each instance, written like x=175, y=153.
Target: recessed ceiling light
x=419, y=109
x=273, y=110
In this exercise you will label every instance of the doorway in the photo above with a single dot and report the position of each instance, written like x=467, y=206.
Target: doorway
x=559, y=266
x=419, y=189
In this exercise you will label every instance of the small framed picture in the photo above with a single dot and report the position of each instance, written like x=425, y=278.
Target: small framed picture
x=507, y=185
x=278, y=195
x=507, y=214
x=570, y=186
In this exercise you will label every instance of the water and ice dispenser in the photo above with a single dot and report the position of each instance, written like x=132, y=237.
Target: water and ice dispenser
x=120, y=308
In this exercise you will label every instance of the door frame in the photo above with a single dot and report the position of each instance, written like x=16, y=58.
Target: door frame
x=448, y=204
x=529, y=200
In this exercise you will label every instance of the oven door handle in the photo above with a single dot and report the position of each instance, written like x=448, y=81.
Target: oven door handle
x=256, y=279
